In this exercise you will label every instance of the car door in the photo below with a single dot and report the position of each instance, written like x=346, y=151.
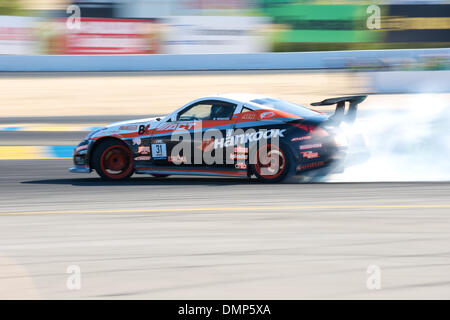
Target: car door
x=205, y=121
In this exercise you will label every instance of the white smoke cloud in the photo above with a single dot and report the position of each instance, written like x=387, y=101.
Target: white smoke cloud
x=411, y=143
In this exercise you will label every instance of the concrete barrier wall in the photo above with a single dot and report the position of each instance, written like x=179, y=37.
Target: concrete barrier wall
x=190, y=62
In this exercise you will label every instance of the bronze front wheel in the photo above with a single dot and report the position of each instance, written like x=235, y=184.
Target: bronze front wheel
x=113, y=160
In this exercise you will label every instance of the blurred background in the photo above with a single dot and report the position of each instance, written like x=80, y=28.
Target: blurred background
x=120, y=27
x=51, y=219
x=217, y=26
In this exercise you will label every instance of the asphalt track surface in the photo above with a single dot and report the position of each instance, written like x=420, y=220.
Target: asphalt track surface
x=209, y=238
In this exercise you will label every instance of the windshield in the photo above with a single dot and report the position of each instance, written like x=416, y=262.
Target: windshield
x=286, y=106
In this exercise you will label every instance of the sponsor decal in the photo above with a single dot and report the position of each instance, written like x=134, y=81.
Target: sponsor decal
x=173, y=126
x=144, y=150
x=240, y=149
x=310, y=154
x=248, y=137
x=249, y=116
x=143, y=129
x=301, y=138
x=107, y=132
x=177, y=159
x=143, y=158
x=311, y=146
x=311, y=165
x=267, y=115
x=240, y=166
x=240, y=153
x=128, y=128
x=159, y=150
x=137, y=141
x=238, y=156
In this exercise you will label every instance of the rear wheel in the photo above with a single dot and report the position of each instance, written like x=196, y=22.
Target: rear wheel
x=272, y=163
x=113, y=160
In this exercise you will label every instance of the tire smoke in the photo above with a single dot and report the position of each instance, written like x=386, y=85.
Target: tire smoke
x=403, y=143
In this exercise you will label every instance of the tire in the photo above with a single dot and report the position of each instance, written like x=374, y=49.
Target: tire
x=156, y=175
x=113, y=160
x=272, y=172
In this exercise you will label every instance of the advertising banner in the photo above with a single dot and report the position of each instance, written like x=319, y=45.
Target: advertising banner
x=17, y=36
x=418, y=23
x=215, y=34
x=321, y=23
x=97, y=8
x=112, y=36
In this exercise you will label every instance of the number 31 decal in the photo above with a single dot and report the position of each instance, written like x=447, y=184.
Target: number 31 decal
x=159, y=150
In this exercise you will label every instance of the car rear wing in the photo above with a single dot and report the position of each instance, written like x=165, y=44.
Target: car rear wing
x=339, y=114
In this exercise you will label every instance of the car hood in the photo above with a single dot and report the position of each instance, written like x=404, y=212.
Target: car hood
x=123, y=127
x=131, y=122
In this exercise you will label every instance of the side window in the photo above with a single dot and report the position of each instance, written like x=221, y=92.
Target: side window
x=208, y=110
x=245, y=109
x=197, y=112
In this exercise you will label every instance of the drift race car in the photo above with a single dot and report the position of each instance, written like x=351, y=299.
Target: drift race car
x=233, y=135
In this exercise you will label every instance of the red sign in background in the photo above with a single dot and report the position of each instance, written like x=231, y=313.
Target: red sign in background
x=112, y=36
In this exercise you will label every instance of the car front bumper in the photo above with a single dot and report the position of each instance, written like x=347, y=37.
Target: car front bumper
x=80, y=169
